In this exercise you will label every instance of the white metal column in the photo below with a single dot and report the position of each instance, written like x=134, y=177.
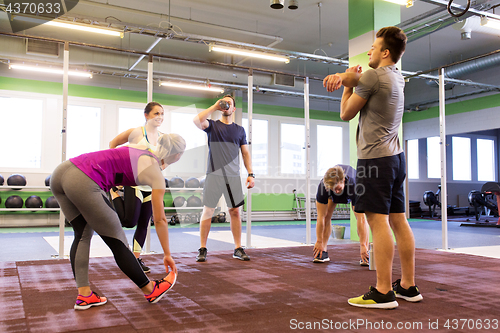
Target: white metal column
x=249, y=193
x=308, y=163
x=62, y=219
x=442, y=132
x=147, y=244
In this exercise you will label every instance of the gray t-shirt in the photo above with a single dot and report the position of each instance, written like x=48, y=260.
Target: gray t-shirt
x=380, y=118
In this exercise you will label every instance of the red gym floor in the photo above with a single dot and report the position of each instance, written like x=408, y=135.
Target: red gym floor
x=279, y=290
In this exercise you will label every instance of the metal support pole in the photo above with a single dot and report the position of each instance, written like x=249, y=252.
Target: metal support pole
x=442, y=132
x=249, y=195
x=308, y=162
x=147, y=244
x=62, y=219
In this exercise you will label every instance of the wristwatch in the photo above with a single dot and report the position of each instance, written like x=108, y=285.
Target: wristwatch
x=251, y=175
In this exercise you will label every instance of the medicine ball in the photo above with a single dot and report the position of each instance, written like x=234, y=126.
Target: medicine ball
x=47, y=180
x=1, y=180
x=33, y=201
x=16, y=180
x=51, y=202
x=193, y=201
x=14, y=201
x=179, y=201
x=202, y=182
x=176, y=182
x=166, y=183
x=192, y=183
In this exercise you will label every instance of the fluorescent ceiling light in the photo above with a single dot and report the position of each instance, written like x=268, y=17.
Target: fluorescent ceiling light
x=247, y=53
x=49, y=70
x=490, y=23
x=407, y=3
x=191, y=86
x=71, y=25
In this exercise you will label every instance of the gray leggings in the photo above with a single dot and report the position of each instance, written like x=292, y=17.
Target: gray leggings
x=87, y=208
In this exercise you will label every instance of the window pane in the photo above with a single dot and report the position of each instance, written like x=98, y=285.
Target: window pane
x=182, y=124
x=461, y=158
x=27, y=150
x=259, y=144
x=193, y=161
x=329, y=145
x=84, y=130
x=413, y=159
x=293, y=154
x=433, y=157
x=130, y=118
x=485, y=160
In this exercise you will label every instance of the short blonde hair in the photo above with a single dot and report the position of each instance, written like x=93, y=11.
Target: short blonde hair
x=170, y=145
x=333, y=176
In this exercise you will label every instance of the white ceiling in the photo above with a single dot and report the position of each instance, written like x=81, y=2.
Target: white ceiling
x=253, y=21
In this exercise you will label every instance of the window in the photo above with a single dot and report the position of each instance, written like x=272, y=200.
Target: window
x=194, y=159
x=130, y=118
x=329, y=148
x=27, y=150
x=293, y=154
x=461, y=158
x=485, y=160
x=259, y=144
x=182, y=123
x=413, y=169
x=84, y=130
x=433, y=157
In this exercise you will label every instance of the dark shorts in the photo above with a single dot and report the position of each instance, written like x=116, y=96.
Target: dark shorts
x=379, y=185
x=215, y=186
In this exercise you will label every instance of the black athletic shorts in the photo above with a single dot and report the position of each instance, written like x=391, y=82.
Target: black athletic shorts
x=216, y=185
x=380, y=185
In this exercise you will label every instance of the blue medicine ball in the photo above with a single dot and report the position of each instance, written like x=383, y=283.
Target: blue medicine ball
x=33, y=201
x=14, y=201
x=176, y=182
x=192, y=183
x=51, y=202
x=16, y=180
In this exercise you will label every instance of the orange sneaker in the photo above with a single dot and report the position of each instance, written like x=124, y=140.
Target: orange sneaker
x=161, y=287
x=85, y=302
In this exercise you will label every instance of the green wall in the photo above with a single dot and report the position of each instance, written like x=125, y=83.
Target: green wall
x=474, y=104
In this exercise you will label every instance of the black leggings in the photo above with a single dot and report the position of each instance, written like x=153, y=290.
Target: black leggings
x=85, y=205
x=135, y=209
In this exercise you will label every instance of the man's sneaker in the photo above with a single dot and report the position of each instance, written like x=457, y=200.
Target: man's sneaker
x=161, y=287
x=239, y=253
x=145, y=268
x=374, y=299
x=411, y=294
x=364, y=263
x=85, y=302
x=322, y=258
x=202, y=254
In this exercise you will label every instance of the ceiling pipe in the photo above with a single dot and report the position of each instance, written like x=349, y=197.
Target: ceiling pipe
x=142, y=56
x=140, y=11
x=469, y=67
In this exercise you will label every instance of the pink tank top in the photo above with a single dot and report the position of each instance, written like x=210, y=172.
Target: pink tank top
x=111, y=167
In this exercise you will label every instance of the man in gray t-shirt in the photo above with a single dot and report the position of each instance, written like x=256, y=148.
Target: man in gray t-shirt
x=381, y=168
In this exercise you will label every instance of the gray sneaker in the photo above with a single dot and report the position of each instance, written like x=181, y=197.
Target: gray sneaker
x=145, y=268
x=239, y=253
x=202, y=254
